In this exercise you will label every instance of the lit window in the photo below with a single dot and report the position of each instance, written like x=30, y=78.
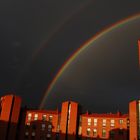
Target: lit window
x=89, y=121
x=44, y=118
x=103, y=133
x=29, y=116
x=104, y=122
x=95, y=122
x=120, y=121
x=50, y=118
x=36, y=117
x=80, y=130
x=94, y=132
x=88, y=131
x=28, y=124
x=112, y=122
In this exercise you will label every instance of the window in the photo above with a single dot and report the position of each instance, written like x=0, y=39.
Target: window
x=26, y=133
x=28, y=124
x=43, y=127
x=104, y=122
x=94, y=132
x=120, y=121
x=33, y=126
x=48, y=135
x=44, y=117
x=33, y=134
x=89, y=121
x=112, y=134
x=50, y=118
x=49, y=126
x=103, y=133
x=80, y=130
x=112, y=122
x=36, y=117
x=95, y=122
x=29, y=116
x=120, y=131
x=88, y=131
x=27, y=127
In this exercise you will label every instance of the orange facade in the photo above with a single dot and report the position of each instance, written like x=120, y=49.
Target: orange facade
x=134, y=117
x=40, y=124
x=25, y=124
x=9, y=116
x=104, y=126
x=68, y=123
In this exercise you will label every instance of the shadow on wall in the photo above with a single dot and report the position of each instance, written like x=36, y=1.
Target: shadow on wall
x=8, y=130
x=114, y=134
x=44, y=130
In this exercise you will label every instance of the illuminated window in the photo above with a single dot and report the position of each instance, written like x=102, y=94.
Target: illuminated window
x=103, y=133
x=120, y=121
x=112, y=122
x=94, y=132
x=29, y=116
x=50, y=118
x=89, y=121
x=44, y=117
x=95, y=122
x=104, y=122
x=36, y=117
x=88, y=131
x=80, y=130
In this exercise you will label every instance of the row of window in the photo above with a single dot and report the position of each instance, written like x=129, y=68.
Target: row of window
x=43, y=127
x=104, y=132
x=33, y=134
x=104, y=121
x=44, y=117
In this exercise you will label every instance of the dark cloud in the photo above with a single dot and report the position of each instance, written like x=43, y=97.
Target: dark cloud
x=24, y=27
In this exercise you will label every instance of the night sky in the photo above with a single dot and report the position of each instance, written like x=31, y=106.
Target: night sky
x=38, y=37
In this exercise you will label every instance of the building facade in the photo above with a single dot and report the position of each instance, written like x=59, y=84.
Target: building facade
x=10, y=106
x=17, y=123
x=134, y=117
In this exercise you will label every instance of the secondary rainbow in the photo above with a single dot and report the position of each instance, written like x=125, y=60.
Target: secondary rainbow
x=81, y=49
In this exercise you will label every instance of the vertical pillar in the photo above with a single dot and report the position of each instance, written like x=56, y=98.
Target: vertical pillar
x=133, y=130
x=68, y=123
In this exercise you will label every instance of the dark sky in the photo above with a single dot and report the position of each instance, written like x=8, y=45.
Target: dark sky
x=37, y=37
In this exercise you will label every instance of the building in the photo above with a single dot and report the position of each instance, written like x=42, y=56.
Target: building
x=10, y=106
x=134, y=117
x=104, y=126
x=18, y=123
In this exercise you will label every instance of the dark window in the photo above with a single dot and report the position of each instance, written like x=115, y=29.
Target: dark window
x=112, y=134
x=120, y=132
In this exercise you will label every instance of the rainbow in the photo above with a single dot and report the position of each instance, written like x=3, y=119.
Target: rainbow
x=86, y=45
